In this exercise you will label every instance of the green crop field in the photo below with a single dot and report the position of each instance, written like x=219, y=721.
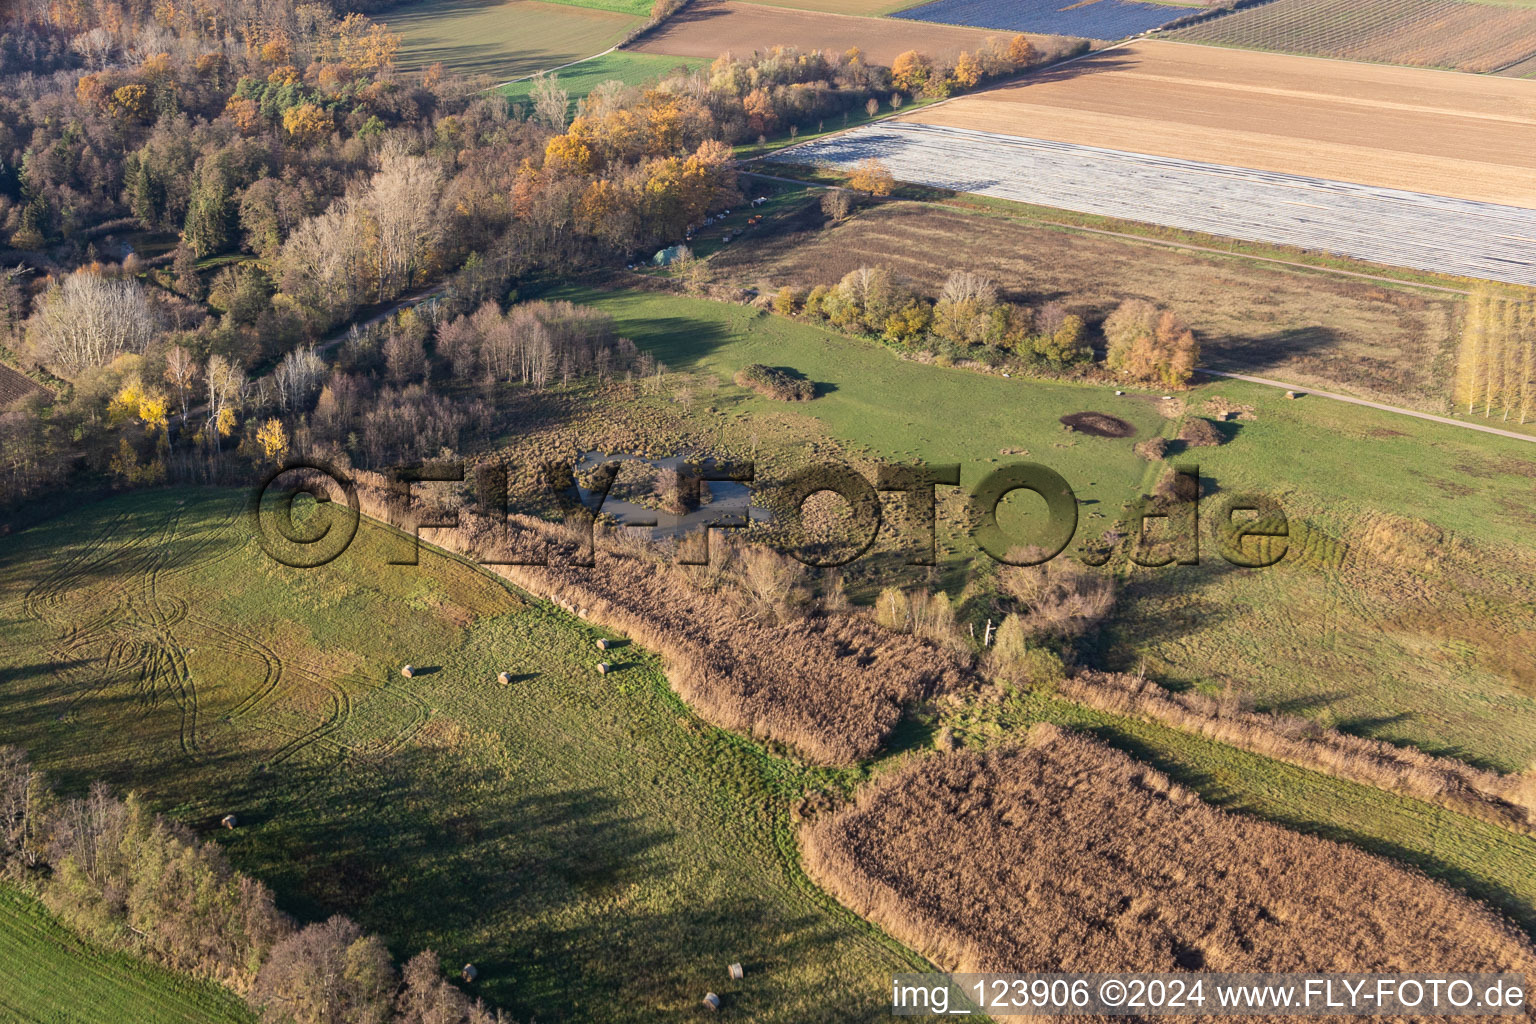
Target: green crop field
x=629, y=68
x=49, y=975
x=506, y=38
x=1400, y=613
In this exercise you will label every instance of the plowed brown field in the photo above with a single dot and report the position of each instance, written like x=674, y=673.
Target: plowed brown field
x=15, y=386
x=1466, y=136
x=712, y=27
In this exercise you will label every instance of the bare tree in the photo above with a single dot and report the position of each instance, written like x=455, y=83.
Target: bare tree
x=180, y=373
x=298, y=377
x=226, y=386
x=89, y=320
x=327, y=973
x=551, y=104
x=401, y=201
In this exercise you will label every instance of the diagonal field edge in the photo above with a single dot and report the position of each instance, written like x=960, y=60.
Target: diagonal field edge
x=1460, y=237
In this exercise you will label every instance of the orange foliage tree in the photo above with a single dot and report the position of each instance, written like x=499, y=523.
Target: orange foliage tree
x=873, y=177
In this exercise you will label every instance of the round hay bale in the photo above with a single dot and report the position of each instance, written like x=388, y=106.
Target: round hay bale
x=470, y=973
x=602, y=645
x=229, y=821
x=602, y=668
x=408, y=671
x=504, y=678
x=737, y=973
x=711, y=1000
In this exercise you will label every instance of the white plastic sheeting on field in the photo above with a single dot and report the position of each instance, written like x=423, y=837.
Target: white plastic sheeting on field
x=1383, y=225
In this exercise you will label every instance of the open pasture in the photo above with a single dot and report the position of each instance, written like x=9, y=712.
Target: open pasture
x=1399, y=128
x=709, y=28
x=589, y=843
x=1388, y=226
x=504, y=38
x=1344, y=629
x=1096, y=19
x=49, y=974
x=1452, y=34
x=1066, y=855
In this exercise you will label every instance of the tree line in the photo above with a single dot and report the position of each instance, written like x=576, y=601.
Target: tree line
x=129, y=879
x=968, y=320
x=1496, y=357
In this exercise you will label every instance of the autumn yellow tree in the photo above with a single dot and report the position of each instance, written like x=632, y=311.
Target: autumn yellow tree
x=273, y=440
x=1496, y=358
x=130, y=103
x=873, y=177
x=306, y=124
x=910, y=71
x=1021, y=52
x=967, y=71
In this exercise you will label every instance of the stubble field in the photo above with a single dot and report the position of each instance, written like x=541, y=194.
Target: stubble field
x=709, y=28
x=1403, y=128
x=504, y=38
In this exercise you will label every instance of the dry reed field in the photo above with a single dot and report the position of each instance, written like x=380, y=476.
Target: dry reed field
x=1403, y=128
x=1065, y=855
x=833, y=688
x=712, y=27
x=1477, y=37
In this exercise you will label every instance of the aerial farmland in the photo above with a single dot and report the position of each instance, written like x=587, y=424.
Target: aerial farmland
x=618, y=511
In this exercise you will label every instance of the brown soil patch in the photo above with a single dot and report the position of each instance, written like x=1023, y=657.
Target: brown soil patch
x=1425, y=131
x=15, y=386
x=1065, y=855
x=1099, y=424
x=709, y=28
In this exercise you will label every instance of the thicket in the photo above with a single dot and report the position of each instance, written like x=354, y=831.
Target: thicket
x=968, y=320
x=776, y=383
x=129, y=879
x=1065, y=854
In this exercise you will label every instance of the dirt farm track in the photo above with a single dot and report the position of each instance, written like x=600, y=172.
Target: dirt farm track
x=1405, y=229
x=1467, y=136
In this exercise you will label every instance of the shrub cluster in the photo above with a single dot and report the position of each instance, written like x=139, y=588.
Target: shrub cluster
x=775, y=382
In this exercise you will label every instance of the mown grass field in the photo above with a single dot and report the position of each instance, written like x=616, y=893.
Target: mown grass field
x=1400, y=613
x=506, y=38
x=630, y=68
x=49, y=975
x=597, y=851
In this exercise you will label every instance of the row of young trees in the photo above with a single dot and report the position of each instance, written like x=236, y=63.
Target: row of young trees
x=130, y=879
x=1143, y=341
x=1496, y=359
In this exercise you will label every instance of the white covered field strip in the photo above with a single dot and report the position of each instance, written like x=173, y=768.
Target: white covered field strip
x=1383, y=225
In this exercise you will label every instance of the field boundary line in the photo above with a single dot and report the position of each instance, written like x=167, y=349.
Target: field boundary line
x=1152, y=38
x=1166, y=242
x=550, y=71
x=1300, y=389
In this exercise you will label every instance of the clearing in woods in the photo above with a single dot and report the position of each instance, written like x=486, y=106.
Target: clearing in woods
x=709, y=28
x=48, y=974
x=620, y=66
x=1397, y=614
x=504, y=38
x=597, y=850
x=1405, y=128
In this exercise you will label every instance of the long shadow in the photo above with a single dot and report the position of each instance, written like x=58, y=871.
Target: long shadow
x=1250, y=353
